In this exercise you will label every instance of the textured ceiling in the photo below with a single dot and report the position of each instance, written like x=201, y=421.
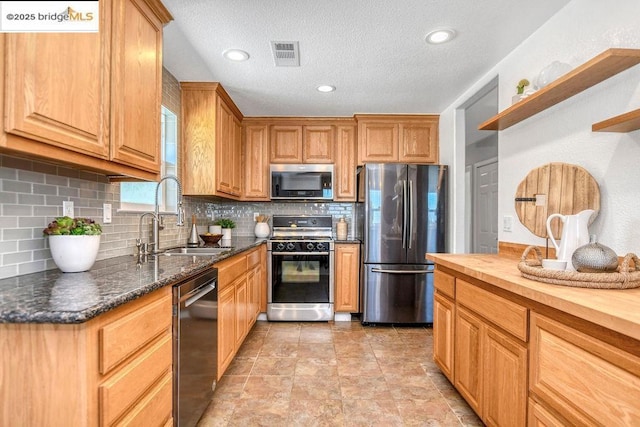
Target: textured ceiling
x=373, y=51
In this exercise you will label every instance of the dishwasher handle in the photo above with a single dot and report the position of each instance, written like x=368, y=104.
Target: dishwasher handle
x=198, y=293
x=382, y=270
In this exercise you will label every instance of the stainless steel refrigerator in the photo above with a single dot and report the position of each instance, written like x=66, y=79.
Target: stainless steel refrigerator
x=405, y=211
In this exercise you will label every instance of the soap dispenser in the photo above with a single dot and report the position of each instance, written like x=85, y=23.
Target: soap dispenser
x=193, y=240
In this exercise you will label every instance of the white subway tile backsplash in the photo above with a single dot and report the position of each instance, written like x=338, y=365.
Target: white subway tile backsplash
x=16, y=210
x=30, y=199
x=16, y=186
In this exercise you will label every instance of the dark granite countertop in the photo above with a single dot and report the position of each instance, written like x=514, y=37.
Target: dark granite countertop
x=55, y=297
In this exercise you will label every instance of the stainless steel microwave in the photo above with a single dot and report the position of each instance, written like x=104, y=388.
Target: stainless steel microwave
x=302, y=182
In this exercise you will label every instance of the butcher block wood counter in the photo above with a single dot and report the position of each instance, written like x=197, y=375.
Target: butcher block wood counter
x=618, y=310
x=523, y=352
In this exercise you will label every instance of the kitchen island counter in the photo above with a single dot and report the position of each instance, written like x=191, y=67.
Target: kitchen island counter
x=55, y=297
x=617, y=310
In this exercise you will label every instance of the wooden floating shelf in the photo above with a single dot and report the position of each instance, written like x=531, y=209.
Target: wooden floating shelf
x=627, y=122
x=607, y=64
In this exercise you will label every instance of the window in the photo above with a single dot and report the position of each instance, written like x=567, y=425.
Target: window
x=141, y=196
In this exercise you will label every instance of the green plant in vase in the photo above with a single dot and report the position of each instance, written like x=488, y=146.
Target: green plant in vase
x=226, y=224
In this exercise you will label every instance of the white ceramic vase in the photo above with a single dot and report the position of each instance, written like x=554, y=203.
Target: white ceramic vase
x=73, y=254
x=226, y=234
x=262, y=229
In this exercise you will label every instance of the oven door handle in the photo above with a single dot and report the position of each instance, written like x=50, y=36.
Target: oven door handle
x=382, y=270
x=299, y=253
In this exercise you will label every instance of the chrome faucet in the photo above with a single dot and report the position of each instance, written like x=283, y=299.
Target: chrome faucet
x=143, y=248
x=157, y=219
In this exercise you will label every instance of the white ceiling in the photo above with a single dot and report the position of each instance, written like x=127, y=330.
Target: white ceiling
x=373, y=51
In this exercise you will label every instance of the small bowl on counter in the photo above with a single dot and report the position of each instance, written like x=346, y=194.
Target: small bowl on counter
x=210, y=239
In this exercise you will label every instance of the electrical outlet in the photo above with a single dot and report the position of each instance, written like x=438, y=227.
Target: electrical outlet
x=106, y=213
x=507, y=223
x=255, y=216
x=67, y=208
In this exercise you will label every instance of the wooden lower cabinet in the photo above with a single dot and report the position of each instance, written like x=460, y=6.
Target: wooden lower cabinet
x=347, y=277
x=241, y=283
x=541, y=417
x=226, y=328
x=518, y=362
x=115, y=369
x=443, y=333
x=490, y=370
x=444, y=308
x=486, y=364
x=586, y=380
x=505, y=380
x=468, y=357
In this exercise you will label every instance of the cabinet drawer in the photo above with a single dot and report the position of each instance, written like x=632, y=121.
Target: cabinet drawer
x=154, y=409
x=230, y=269
x=130, y=384
x=506, y=314
x=444, y=283
x=585, y=380
x=253, y=258
x=126, y=335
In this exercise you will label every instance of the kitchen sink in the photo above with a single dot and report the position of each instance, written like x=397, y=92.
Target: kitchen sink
x=199, y=251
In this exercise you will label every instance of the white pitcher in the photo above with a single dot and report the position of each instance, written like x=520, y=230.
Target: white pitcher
x=575, y=233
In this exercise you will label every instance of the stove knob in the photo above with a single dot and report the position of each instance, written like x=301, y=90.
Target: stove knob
x=310, y=246
x=280, y=246
x=320, y=247
x=290, y=246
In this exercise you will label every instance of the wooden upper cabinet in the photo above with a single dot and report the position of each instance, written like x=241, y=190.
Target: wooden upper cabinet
x=344, y=186
x=419, y=141
x=256, y=162
x=55, y=95
x=137, y=85
x=228, y=151
x=286, y=144
x=88, y=100
x=377, y=141
x=211, y=141
x=318, y=144
x=397, y=138
x=302, y=143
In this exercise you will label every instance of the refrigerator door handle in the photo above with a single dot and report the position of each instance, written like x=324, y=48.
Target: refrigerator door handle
x=382, y=270
x=404, y=214
x=410, y=233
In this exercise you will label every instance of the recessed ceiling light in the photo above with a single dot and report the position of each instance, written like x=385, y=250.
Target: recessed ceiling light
x=235, y=55
x=325, y=88
x=440, y=36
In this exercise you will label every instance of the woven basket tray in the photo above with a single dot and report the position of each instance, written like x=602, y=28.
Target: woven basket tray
x=624, y=278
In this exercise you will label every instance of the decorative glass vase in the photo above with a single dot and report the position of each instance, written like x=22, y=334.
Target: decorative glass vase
x=73, y=254
x=262, y=229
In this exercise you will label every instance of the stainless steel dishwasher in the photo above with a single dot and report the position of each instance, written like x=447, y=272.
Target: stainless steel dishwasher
x=195, y=346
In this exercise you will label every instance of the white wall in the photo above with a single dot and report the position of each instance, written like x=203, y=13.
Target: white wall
x=577, y=33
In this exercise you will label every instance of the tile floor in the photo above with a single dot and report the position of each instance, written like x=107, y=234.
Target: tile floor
x=336, y=374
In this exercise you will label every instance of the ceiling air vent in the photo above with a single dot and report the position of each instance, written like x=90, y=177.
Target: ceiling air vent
x=286, y=54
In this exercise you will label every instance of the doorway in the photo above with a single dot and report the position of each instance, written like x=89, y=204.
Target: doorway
x=481, y=166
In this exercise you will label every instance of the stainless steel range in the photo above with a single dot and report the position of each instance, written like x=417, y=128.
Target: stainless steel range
x=300, y=257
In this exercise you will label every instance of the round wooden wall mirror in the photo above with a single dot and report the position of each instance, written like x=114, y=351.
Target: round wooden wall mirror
x=555, y=188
